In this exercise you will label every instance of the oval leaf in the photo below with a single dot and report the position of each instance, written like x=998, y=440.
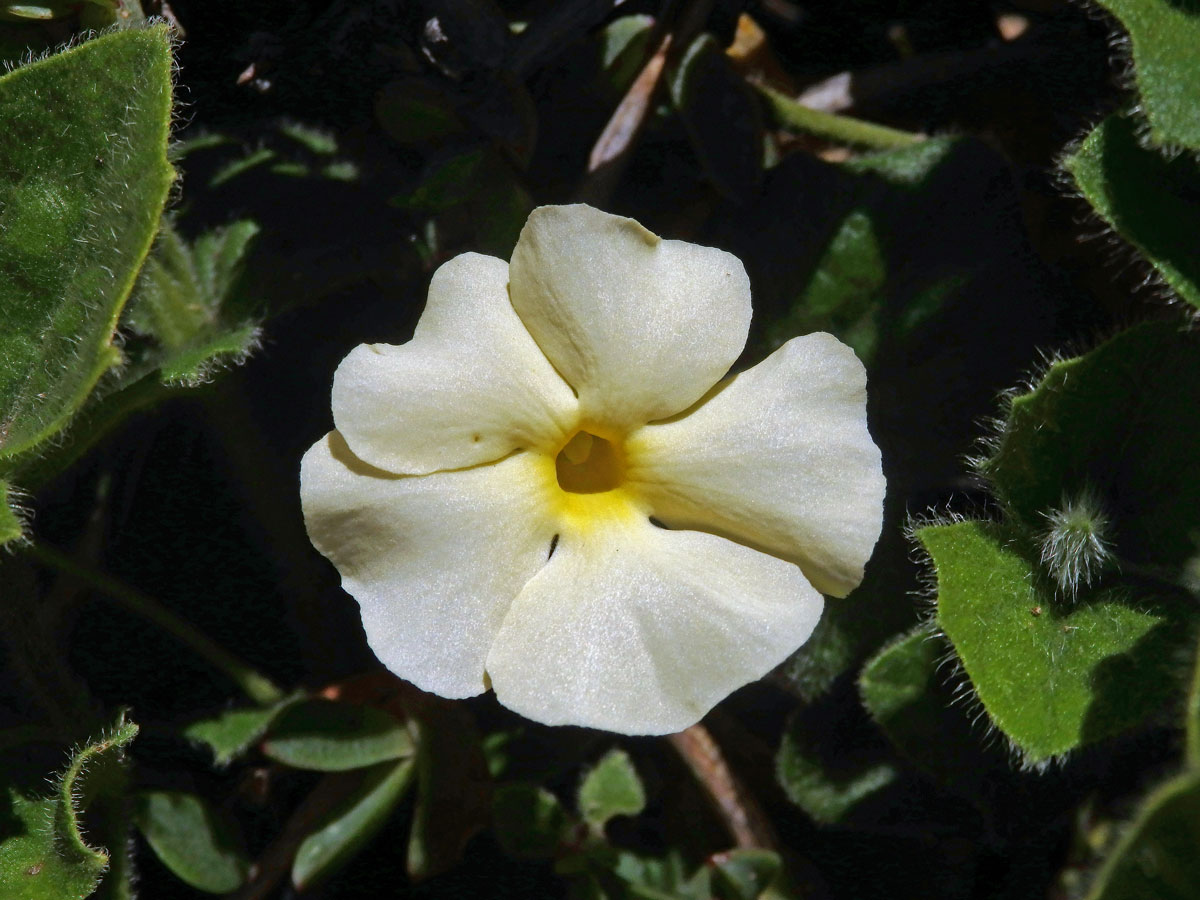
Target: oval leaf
x=332, y=737
x=191, y=840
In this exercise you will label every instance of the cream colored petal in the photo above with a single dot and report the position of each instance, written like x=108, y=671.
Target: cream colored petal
x=434, y=561
x=640, y=630
x=779, y=458
x=470, y=387
x=639, y=326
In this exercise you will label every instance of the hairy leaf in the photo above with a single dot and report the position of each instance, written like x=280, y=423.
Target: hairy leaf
x=1120, y=423
x=10, y=522
x=192, y=840
x=1165, y=35
x=339, y=836
x=1148, y=199
x=83, y=179
x=1051, y=675
x=46, y=856
x=907, y=695
x=184, y=301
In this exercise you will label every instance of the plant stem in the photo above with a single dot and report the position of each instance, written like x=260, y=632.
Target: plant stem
x=747, y=823
x=794, y=116
x=256, y=686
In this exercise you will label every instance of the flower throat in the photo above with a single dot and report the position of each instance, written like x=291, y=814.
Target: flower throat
x=588, y=464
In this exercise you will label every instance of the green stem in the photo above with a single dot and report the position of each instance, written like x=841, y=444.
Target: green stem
x=795, y=116
x=256, y=686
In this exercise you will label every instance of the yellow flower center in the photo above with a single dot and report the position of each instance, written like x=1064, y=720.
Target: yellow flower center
x=588, y=464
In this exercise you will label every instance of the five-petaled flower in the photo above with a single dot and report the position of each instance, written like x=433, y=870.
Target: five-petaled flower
x=496, y=490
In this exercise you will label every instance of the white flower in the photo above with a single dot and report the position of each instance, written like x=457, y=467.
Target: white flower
x=488, y=493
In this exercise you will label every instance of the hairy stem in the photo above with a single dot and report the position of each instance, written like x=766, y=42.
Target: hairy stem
x=794, y=116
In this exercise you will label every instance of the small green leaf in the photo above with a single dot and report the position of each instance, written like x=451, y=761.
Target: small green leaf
x=1120, y=422
x=83, y=179
x=528, y=821
x=1147, y=198
x=329, y=736
x=623, y=44
x=721, y=116
x=1051, y=676
x=746, y=875
x=826, y=782
x=185, y=301
x=231, y=733
x=611, y=788
x=192, y=841
x=1157, y=857
x=11, y=528
x=1165, y=35
x=338, y=837
x=48, y=858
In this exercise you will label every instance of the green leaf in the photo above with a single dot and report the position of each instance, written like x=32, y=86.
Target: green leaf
x=721, y=116
x=232, y=732
x=1147, y=198
x=908, y=697
x=623, y=45
x=528, y=821
x=611, y=788
x=11, y=528
x=47, y=857
x=746, y=875
x=828, y=776
x=1157, y=858
x=453, y=790
x=1052, y=676
x=185, y=301
x=329, y=736
x=1165, y=35
x=1120, y=423
x=339, y=836
x=192, y=841
x=83, y=179
x=1192, y=716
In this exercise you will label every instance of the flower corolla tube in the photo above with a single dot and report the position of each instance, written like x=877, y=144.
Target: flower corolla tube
x=551, y=491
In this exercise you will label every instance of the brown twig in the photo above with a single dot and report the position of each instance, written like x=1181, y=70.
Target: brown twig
x=745, y=820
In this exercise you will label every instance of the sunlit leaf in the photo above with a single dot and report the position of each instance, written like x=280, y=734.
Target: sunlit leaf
x=1051, y=675
x=10, y=522
x=192, y=840
x=83, y=179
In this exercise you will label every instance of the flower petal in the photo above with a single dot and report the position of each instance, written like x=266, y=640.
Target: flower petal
x=641, y=630
x=434, y=561
x=470, y=387
x=779, y=458
x=639, y=326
